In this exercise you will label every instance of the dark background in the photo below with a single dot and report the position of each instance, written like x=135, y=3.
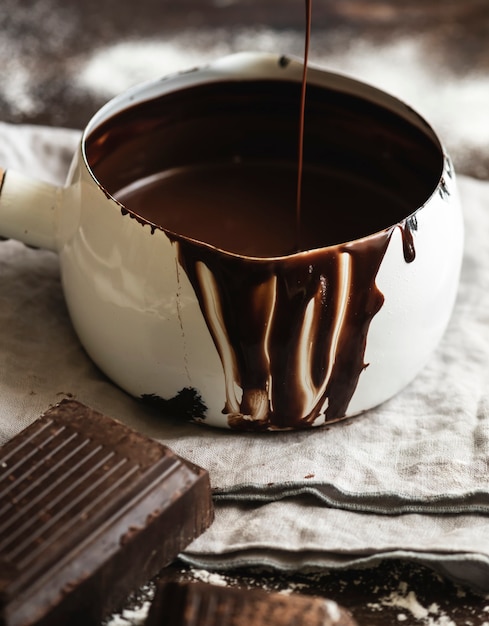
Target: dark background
x=46, y=44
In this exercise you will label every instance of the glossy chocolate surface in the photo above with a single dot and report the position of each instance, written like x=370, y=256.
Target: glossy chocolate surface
x=89, y=511
x=243, y=135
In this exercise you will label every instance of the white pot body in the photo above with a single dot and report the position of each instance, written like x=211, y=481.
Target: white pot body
x=137, y=312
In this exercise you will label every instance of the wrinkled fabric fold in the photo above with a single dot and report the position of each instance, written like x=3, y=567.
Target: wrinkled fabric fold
x=305, y=536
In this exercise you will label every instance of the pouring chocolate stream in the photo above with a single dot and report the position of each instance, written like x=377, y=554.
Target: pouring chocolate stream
x=307, y=40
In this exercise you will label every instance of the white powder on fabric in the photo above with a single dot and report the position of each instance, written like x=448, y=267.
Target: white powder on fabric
x=458, y=107
x=48, y=27
x=130, y=617
x=16, y=85
x=137, y=614
x=211, y=578
x=221, y=580
x=405, y=599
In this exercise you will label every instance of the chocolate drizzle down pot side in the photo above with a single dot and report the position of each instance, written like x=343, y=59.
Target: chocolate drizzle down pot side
x=213, y=167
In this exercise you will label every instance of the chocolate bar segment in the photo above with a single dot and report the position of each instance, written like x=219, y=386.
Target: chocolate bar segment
x=201, y=604
x=89, y=511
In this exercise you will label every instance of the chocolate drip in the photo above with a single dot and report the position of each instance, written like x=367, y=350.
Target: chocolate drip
x=291, y=336
x=407, y=227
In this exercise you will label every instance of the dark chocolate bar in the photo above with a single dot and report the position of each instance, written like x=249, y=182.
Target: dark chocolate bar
x=201, y=604
x=89, y=511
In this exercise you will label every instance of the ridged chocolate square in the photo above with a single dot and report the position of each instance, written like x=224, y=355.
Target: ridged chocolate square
x=89, y=510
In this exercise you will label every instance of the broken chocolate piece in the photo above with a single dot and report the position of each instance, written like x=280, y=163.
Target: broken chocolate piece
x=89, y=511
x=201, y=604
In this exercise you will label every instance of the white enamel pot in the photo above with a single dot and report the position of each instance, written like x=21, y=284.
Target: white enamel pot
x=285, y=342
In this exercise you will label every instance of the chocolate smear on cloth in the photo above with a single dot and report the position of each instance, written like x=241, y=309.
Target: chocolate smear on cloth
x=89, y=511
x=405, y=480
x=201, y=604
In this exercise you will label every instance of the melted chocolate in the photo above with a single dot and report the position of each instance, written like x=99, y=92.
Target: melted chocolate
x=217, y=164
x=302, y=117
x=247, y=208
x=295, y=333
x=407, y=227
x=254, y=123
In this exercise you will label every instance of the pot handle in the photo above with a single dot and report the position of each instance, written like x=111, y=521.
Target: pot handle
x=28, y=210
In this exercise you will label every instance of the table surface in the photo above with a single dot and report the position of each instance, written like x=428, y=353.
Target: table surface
x=43, y=44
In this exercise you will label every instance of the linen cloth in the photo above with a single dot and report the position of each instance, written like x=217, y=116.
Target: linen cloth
x=408, y=479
